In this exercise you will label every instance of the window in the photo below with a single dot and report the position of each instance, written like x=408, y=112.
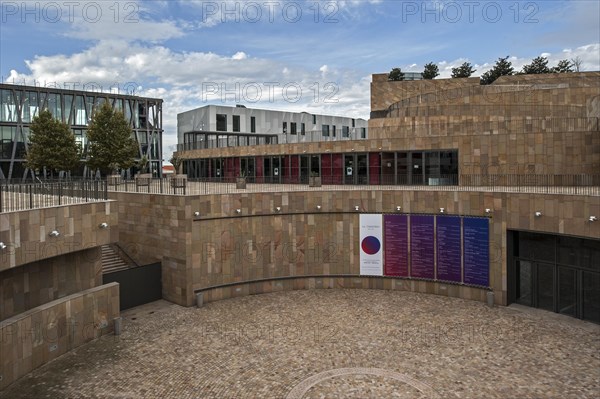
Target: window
x=314, y=119
x=353, y=122
x=221, y=123
x=325, y=130
x=363, y=132
x=345, y=131
x=333, y=131
x=236, y=123
x=284, y=127
x=252, y=124
x=303, y=129
x=293, y=128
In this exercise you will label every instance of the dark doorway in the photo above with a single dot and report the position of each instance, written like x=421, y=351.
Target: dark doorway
x=556, y=273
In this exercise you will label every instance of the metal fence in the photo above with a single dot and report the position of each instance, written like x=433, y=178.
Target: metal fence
x=539, y=184
x=42, y=194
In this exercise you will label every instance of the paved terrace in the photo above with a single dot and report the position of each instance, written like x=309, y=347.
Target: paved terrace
x=18, y=197
x=330, y=344
x=206, y=188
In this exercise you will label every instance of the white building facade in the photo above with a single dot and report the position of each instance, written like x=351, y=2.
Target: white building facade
x=260, y=126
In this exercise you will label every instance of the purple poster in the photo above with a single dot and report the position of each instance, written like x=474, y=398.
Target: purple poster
x=396, y=245
x=476, y=251
x=448, y=248
x=421, y=246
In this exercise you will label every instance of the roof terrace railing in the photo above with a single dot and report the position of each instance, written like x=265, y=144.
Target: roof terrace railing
x=576, y=184
x=43, y=194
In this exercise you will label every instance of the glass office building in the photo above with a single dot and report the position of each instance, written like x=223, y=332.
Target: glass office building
x=20, y=104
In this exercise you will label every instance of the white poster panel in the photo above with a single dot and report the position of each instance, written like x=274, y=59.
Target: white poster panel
x=371, y=245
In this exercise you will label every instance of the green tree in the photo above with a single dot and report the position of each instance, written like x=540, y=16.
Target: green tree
x=176, y=162
x=395, y=75
x=52, y=145
x=463, y=71
x=431, y=71
x=539, y=65
x=564, y=66
x=503, y=67
x=111, y=145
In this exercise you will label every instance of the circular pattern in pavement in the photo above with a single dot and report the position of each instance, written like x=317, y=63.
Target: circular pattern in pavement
x=268, y=346
x=302, y=389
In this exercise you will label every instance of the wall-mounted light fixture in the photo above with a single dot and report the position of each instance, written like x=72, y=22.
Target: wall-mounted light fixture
x=538, y=214
x=238, y=210
x=593, y=218
x=54, y=233
x=197, y=214
x=318, y=207
x=488, y=211
x=357, y=208
x=278, y=209
x=103, y=225
x=442, y=210
x=2, y=245
x=398, y=208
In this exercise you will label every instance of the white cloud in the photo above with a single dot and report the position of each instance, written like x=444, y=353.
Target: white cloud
x=240, y=55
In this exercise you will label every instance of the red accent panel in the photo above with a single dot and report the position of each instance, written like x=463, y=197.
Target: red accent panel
x=229, y=172
x=258, y=169
x=338, y=168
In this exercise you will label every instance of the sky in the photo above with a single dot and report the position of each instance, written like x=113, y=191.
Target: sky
x=313, y=56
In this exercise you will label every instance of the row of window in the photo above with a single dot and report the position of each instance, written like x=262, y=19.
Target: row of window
x=222, y=127
x=71, y=109
x=413, y=167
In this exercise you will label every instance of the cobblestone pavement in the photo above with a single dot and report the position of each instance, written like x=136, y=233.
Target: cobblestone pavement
x=328, y=344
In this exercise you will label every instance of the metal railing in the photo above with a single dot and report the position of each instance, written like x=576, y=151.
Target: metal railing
x=580, y=184
x=43, y=194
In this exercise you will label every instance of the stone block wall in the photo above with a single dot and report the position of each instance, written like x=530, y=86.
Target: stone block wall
x=37, y=283
x=26, y=233
x=41, y=334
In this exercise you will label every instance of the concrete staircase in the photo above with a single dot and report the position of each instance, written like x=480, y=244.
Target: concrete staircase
x=111, y=261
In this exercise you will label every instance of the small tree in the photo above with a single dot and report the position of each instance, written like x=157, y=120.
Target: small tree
x=463, y=71
x=577, y=63
x=539, y=65
x=431, y=71
x=143, y=164
x=503, y=67
x=111, y=145
x=564, y=66
x=176, y=161
x=395, y=75
x=52, y=145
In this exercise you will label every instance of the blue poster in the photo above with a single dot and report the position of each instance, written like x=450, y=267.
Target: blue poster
x=448, y=249
x=422, y=247
x=396, y=245
x=476, y=251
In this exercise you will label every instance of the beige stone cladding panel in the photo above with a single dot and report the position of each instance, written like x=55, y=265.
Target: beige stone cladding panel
x=27, y=233
x=157, y=228
x=260, y=244
x=37, y=283
x=40, y=335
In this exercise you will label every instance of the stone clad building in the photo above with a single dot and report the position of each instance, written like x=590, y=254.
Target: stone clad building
x=523, y=153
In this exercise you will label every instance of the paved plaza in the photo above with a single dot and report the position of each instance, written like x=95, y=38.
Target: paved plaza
x=330, y=344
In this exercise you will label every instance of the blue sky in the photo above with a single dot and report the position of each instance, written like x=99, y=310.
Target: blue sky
x=290, y=55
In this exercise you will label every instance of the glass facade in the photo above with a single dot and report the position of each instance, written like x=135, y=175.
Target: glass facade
x=374, y=168
x=20, y=104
